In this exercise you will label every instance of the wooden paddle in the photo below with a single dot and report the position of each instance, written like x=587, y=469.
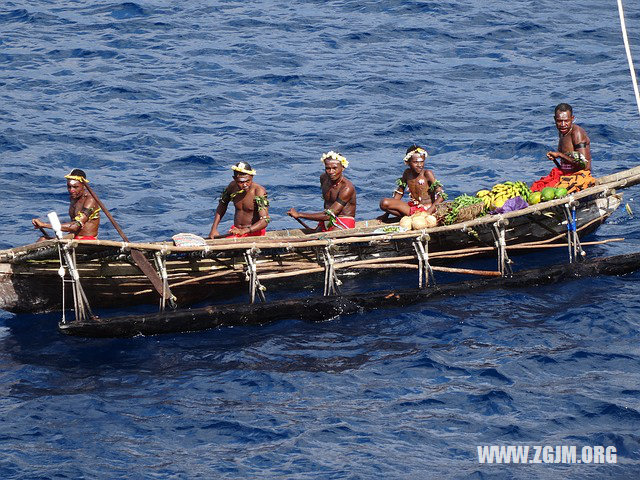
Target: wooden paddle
x=302, y=223
x=556, y=162
x=138, y=257
x=45, y=234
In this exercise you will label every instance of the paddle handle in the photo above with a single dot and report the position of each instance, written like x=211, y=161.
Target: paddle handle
x=106, y=212
x=45, y=234
x=303, y=223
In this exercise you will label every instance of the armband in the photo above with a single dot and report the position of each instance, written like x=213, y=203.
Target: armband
x=340, y=201
x=262, y=201
x=330, y=213
x=581, y=145
x=78, y=219
x=225, y=197
x=435, y=185
x=266, y=218
x=401, y=184
x=442, y=194
x=579, y=159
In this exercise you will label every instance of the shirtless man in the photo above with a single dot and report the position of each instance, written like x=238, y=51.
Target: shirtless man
x=339, y=196
x=574, y=147
x=251, y=203
x=83, y=210
x=425, y=191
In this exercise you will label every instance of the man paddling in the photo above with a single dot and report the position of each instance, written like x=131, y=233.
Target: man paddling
x=425, y=192
x=339, y=196
x=83, y=210
x=574, y=146
x=574, y=149
x=250, y=201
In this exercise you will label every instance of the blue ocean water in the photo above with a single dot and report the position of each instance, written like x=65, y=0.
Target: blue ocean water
x=155, y=100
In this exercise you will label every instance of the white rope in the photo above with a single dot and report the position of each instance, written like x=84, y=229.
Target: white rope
x=628, y=50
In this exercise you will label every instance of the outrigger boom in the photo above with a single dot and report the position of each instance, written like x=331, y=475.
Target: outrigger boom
x=319, y=308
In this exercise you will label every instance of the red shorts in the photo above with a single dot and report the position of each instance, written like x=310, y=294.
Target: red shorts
x=257, y=233
x=416, y=207
x=85, y=237
x=342, y=224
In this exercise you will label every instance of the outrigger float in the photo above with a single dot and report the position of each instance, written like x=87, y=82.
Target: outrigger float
x=103, y=273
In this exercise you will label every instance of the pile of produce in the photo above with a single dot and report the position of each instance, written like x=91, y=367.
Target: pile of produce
x=502, y=192
x=418, y=221
x=546, y=194
x=458, y=206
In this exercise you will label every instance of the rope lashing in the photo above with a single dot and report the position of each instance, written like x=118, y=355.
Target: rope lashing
x=251, y=275
x=331, y=281
x=425, y=272
x=573, y=240
x=499, y=236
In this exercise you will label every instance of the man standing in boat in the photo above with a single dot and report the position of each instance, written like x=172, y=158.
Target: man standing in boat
x=339, y=196
x=83, y=210
x=574, y=149
x=425, y=192
x=250, y=201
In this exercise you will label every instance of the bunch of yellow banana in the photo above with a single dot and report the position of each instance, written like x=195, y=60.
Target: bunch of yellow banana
x=502, y=192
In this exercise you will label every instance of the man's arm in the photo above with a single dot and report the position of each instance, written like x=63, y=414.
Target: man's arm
x=318, y=217
x=582, y=145
x=439, y=195
x=401, y=185
x=78, y=221
x=344, y=196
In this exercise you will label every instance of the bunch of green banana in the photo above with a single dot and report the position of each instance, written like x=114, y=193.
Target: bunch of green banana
x=502, y=192
x=459, y=202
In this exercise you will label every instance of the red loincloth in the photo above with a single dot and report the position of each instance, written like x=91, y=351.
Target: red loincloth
x=257, y=233
x=417, y=207
x=549, y=181
x=342, y=224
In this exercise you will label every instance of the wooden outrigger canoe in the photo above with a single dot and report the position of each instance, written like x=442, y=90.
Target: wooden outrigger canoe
x=30, y=276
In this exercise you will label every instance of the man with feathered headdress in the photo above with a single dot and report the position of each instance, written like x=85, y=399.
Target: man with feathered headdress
x=339, y=196
x=83, y=210
x=251, y=203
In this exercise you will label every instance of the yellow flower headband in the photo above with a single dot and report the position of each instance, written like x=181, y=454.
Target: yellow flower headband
x=335, y=156
x=76, y=178
x=242, y=168
x=418, y=150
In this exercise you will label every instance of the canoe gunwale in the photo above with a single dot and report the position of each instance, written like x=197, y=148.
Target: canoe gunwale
x=363, y=234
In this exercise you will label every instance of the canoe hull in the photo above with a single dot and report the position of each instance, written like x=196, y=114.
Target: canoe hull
x=110, y=278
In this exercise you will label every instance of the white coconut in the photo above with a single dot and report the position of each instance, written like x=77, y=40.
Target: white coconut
x=405, y=222
x=419, y=222
x=431, y=221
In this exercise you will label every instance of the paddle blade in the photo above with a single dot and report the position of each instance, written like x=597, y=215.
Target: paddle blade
x=150, y=272
x=55, y=223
